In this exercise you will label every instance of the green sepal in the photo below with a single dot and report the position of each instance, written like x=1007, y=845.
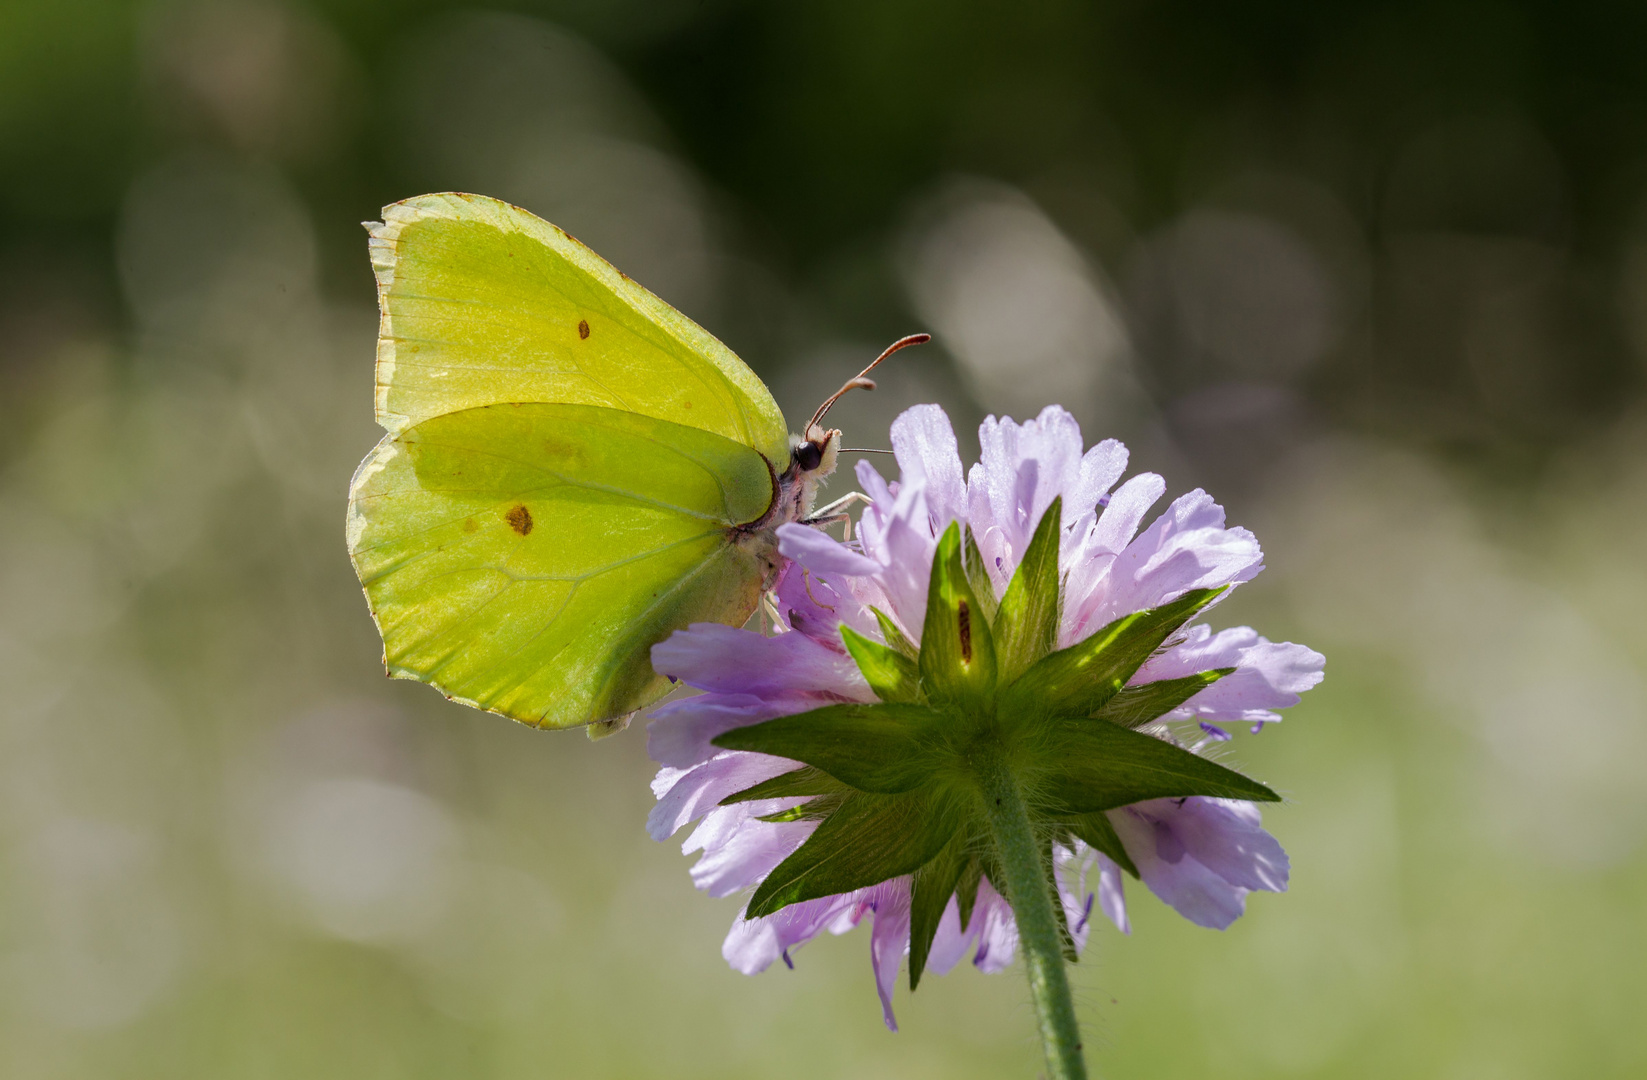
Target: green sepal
x=934, y=884
x=1097, y=833
x=870, y=839
x=1079, y=680
x=885, y=749
x=957, y=649
x=895, y=638
x=1026, y=626
x=1100, y=766
x=1135, y=706
x=977, y=575
x=893, y=676
x=966, y=888
x=807, y=782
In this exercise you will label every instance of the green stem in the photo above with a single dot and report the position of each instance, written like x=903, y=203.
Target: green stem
x=1031, y=897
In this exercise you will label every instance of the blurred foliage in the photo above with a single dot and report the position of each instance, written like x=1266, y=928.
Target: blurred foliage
x=1376, y=274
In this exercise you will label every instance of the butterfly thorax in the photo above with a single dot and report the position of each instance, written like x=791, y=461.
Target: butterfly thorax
x=794, y=491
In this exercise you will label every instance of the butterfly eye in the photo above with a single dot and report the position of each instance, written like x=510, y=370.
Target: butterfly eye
x=808, y=455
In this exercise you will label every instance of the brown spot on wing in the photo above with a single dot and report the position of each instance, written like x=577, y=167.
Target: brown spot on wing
x=519, y=519
x=469, y=525
x=583, y=329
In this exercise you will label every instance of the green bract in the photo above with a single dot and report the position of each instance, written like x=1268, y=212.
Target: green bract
x=900, y=787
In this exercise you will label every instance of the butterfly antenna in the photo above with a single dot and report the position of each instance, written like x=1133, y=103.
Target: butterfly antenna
x=861, y=380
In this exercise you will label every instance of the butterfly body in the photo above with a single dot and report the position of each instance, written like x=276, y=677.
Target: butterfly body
x=572, y=469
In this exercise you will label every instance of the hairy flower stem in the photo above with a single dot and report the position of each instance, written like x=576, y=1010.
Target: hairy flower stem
x=1031, y=897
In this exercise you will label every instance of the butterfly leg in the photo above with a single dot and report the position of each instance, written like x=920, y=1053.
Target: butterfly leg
x=834, y=512
x=839, y=505
x=769, y=609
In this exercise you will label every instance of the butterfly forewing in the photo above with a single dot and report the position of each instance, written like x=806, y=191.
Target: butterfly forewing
x=484, y=303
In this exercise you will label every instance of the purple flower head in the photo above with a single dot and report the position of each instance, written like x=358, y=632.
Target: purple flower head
x=844, y=735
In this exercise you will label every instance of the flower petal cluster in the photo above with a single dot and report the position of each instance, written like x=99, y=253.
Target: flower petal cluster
x=854, y=614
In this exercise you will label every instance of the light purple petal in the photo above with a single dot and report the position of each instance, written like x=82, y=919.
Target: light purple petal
x=1000, y=557
x=1268, y=676
x=1100, y=467
x=1168, y=840
x=848, y=919
x=680, y=730
x=1112, y=900
x=873, y=483
x=992, y=481
x=693, y=792
x=738, y=851
x=1069, y=870
x=1196, y=893
x=817, y=606
x=721, y=825
x=710, y=656
x=1185, y=548
x=925, y=446
x=820, y=553
x=1022, y=468
x=1093, y=548
x=1119, y=522
x=997, y=931
x=1004, y=485
x=1227, y=838
x=889, y=940
x=909, y=545
x=665, y=779
x=753, y=945
x=951, y=941
x=1053, y=441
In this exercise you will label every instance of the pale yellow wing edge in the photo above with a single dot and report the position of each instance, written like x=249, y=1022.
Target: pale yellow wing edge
x=375, y=462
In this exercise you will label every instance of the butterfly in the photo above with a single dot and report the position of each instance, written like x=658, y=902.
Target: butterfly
x=572, y=468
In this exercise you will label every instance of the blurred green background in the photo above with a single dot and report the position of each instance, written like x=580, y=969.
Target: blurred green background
x=1374, y=274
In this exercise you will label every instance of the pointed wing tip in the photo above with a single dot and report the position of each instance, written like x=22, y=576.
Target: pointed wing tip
x=440, y=203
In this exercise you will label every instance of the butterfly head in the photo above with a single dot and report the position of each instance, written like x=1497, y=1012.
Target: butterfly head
x=814, y=455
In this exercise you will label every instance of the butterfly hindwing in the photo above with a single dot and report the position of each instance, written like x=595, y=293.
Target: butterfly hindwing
x=523, y=558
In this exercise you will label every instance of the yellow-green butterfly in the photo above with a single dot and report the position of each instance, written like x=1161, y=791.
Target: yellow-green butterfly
x=573, y=469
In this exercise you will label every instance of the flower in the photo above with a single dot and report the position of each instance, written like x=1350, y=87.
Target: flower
x=852, y=613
